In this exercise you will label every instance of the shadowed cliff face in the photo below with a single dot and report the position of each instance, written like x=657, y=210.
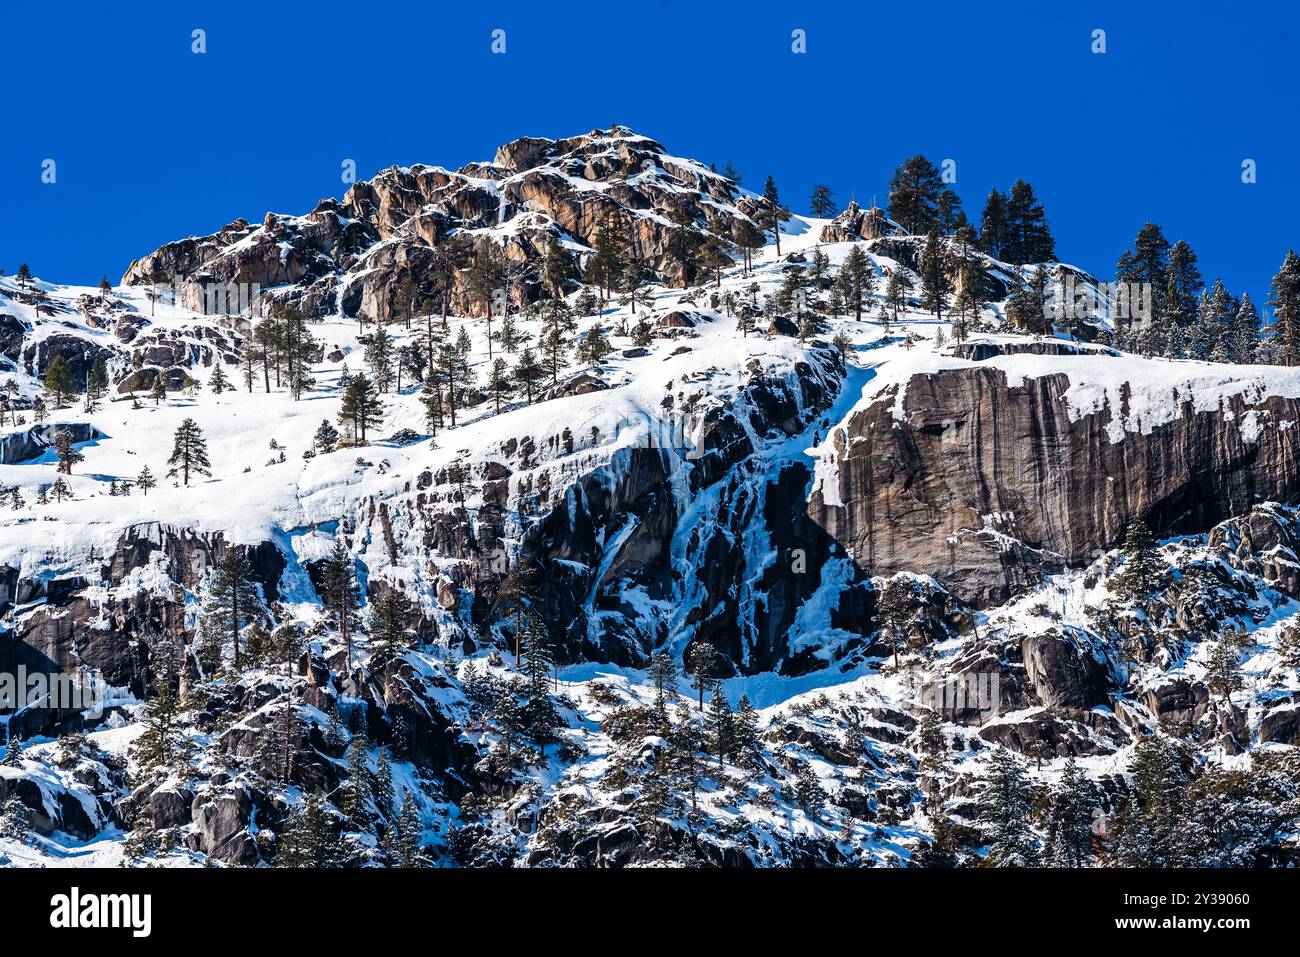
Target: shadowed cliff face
x=987, y=485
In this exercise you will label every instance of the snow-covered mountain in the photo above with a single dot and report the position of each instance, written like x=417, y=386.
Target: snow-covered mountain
x=765, y=583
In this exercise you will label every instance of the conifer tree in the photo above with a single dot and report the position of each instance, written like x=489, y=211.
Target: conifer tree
x=1070, y=818
x=159, y=390
x=719, y=723
x=1223, y=670
x=993, y=224
x=1143, y=565
x=189, y=453
x=218, y=382
x=808, y=790
x=822, y=203
x=702, y=661
x=409, y=829
x=748, y=237
x=935, y=283
x=339, y=592
x=860, y=279
x=744, y=730
x=326, y=437
x=497, y=386
x=233, y=599
x=382, y=789
x=361, y=406
x=593, y=348
x=663, y=669
x=914, y=191
x=66, y=452
x=390, y=628
x=897, y=290
x=774, y=214
x=145, y=480
x=1245, y=332
x=59, y=383
x=1004, y=803
x=24, y=275
x=379, y=357
x=1028, y=239
x=308, y=838
x=158, y=745
x=1285, y=300
x=431, y=399
x=357, y=791
x=96, y=382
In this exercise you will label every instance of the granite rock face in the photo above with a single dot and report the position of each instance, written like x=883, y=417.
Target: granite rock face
x=987, y=484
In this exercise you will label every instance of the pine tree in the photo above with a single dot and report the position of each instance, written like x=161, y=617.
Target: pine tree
x=189, y=453
x=914, y=191
x=897, y=290
x=431, y=399
x=59, y=383
x=1285, y=300
x=1245, y=332
x=537, y=663
x=808, y=790
x=1028, y=239
x=719, y=723
x=159, y=390
x=664, y=672
x=893, y=609
x=233, y=599
x=339, y=592
x=993, y=224
x=860, y=279
x=1160, y=785
x=748, y=237
x=1223, y=670
x=218, y=382
x=822, y=203
x=1143, y=565
x=326, y=438
x=361, y=407
x=528, y=373
x=936, y=286
x=145, y=480
x=557, y=268
x=593, y=348
x=158, y=746
x=1004, y=802
x=702, y=664
x=498, y=383
x=605, y=267
x=379, y=357
x=24, y=275
x=774, y=214
x=96, y=382
x=66, y=452
x=390, y=628
x=299, y=347
x=409, y=829
x=1181, y=295
x=1073, y=804
x=744, y=729
x=308, y=838
x=382, y=785
x=357, y=792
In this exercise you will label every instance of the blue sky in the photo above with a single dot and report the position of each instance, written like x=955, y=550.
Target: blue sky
x=153, y=142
